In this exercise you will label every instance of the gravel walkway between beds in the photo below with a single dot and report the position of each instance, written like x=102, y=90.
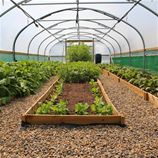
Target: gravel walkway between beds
x=137, y=139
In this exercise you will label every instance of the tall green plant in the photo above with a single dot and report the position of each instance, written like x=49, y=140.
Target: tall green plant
x=78, y=53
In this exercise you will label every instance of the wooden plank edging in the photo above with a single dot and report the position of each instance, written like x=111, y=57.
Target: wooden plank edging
x=114, y=77
x=153, y=99
x=34, y=107
x=137, y=90
x=146, y=95
x=30, y=117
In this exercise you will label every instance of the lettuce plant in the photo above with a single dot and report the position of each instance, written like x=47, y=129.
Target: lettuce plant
x=95, y=90
x=44, y=108
x=101, y=107
x=60, y=108
x=80, y=109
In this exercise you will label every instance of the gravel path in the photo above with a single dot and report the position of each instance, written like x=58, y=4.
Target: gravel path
x=137, y=139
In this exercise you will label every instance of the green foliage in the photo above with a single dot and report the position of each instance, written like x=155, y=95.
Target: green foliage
x=100, y=107
x=5, y=100
x=93, y=83
x=80, y=108
x=60, y=108
x=44, y=108
x=24, y=77
x=78, y=53
x=147, y=82
x=54, y=97
x=79, y=71
x=95, y=90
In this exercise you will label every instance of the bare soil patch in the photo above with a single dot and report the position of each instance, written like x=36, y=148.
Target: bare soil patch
x=76, y=93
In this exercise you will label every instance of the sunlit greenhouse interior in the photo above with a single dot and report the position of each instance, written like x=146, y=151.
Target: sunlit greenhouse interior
x=78, y=78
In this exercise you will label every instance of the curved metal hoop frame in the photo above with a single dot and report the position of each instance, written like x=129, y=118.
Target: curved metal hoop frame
x=75, y=32
x=87, y=27
x=81, y=9
x=85, y=32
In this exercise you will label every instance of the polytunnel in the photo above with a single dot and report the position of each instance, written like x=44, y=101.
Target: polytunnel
x=124, y=32
x=78, y=78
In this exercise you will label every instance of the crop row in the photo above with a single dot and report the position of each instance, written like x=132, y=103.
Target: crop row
x=146, y=82
x=25, y=77
x=100, y=107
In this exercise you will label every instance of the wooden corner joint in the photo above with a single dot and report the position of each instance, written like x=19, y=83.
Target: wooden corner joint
x=122, y=120
x=145, y=96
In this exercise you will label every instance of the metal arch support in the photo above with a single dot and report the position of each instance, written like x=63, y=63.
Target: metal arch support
x=101, y=42
x=83, y=36
x=116, y=42
x=144, y=6
x=96, y=29
x=17, y=38
x=43, y=41
x=81, y=32
x=81, y=9
x=81, y=27
x=14, y=6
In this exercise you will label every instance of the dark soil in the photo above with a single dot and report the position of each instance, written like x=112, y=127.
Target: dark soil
x=76, y=93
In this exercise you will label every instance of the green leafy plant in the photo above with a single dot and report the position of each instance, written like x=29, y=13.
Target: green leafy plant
x=93, y=83
x=95, y=91
x=147, y=82
x=101, y=107
x=53, y=97
x=44, y=108
x=60, y=108
x=80, y=109
x=79, y=72
x=24, y=77
x=78, y=53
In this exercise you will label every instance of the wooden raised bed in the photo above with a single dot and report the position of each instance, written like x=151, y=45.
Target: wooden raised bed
x=30, y=117
x=146, y=96
x=114, y=77
x=137, y=90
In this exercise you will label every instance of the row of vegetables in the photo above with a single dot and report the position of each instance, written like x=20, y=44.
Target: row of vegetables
x=100, y=107
x=145, y=81
x=25, y=77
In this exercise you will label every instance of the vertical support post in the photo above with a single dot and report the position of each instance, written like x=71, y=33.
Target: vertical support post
x=114, y=58
x=65, y=49
x=79, y=42
x=144, y=61
x=93, y=49
x=120, y=59
x=129, y=58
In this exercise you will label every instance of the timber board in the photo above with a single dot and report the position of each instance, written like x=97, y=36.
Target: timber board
x=153, y=99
